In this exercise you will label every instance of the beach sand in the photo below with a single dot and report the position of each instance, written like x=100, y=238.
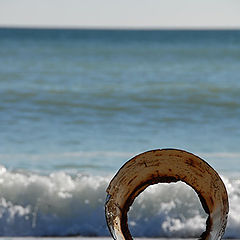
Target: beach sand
x=87, y=238
x=82, y=238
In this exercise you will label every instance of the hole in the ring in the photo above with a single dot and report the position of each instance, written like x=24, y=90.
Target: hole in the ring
x=167, y=210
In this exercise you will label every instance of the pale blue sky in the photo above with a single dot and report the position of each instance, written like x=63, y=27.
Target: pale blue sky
x=121, y=13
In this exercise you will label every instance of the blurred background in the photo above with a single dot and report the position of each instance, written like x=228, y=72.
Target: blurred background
x=86, y=85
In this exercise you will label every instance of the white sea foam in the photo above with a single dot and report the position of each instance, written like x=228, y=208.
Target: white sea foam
x=60, y=205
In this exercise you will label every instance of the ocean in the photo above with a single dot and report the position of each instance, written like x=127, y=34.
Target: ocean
x=75, y=105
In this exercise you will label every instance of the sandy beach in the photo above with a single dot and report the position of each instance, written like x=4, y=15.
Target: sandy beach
x=79, y=238
x=86, y=238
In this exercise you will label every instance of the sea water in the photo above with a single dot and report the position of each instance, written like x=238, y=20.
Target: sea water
x=77, y=104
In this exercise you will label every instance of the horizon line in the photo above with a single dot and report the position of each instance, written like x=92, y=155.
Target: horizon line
x=131, y=28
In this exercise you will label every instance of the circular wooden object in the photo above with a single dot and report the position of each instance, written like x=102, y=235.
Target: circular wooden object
x=165, y=166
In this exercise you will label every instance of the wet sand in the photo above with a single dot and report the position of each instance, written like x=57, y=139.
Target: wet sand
x=86, y=238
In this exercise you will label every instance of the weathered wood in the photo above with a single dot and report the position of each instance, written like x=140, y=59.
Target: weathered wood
x=165, y=166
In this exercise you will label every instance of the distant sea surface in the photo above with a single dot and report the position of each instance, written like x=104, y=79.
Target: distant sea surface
x=76, y=104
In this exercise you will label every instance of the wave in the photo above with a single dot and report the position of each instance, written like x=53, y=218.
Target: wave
x=58, y=160
x=59, y=204
x=82, y=154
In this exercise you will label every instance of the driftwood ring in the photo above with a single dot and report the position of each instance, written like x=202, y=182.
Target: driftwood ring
x=165, y=166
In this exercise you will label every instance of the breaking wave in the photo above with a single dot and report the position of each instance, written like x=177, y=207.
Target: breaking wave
x=60, y=204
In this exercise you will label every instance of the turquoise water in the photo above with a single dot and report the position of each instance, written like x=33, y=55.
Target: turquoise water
x=66, y=92
x=76, y=104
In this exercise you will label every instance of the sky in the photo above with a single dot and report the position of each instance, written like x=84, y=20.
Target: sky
x=121, y=13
